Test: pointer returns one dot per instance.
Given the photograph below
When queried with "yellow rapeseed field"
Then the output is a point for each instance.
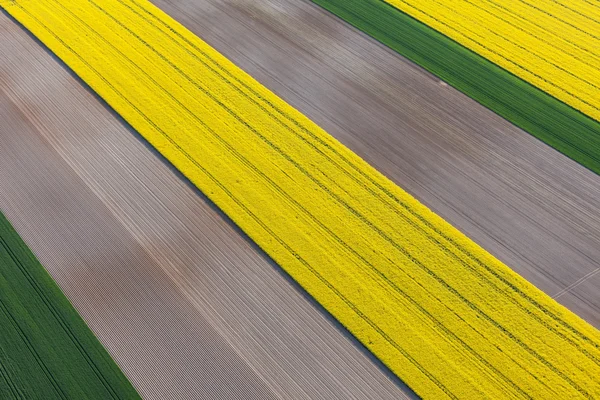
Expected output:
(552, 44)
(447, 317)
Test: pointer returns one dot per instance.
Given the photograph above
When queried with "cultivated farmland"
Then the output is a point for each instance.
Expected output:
(164, 232)
(47, 350)
(183, 302)
(443, 314)
(550, 43)
(548, 118)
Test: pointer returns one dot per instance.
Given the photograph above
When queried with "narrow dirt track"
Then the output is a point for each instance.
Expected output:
(165, 280)
(187, 306)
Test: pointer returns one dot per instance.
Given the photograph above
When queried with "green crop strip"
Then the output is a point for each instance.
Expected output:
(46, 349)
(543, 116)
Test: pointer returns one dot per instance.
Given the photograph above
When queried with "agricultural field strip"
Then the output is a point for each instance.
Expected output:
(551, 44)
(443, 314)
(46, 350)
(530, 108)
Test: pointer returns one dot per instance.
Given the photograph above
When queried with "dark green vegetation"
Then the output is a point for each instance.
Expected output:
(550, 120)
(46, 349)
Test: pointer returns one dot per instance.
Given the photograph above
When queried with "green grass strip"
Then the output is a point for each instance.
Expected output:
(550, 120)
(46, 349)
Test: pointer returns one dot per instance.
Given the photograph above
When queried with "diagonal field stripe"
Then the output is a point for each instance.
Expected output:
(443, 314)
(551, 45)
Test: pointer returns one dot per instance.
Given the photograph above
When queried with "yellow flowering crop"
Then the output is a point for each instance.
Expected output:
(552, 44)
(447, 317)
